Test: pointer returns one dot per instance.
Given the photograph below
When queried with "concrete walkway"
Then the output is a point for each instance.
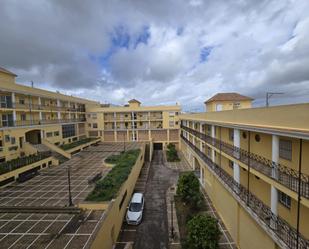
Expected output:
(153, 232)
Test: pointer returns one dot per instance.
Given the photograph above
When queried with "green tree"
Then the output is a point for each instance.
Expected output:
(203, 233)
(188, 189)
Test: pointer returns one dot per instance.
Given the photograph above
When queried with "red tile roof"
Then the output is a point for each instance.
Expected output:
(134, 101)
(3, 70)
(228, 97)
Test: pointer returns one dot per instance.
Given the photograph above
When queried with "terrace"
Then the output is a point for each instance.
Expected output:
(35, 214)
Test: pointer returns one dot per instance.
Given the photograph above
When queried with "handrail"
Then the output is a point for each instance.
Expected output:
(277, 224)
(278, 172)
(18, 123)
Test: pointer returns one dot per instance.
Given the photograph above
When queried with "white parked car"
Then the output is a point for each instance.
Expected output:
(135, 210)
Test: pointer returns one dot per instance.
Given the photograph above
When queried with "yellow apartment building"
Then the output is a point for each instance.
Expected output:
(227, 101)
(28, 116)
(135, 122)
(254, 165)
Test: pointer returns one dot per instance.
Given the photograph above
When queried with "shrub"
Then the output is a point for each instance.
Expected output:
(107, 188)
(203, 233)
(188, 189)
(171, 153)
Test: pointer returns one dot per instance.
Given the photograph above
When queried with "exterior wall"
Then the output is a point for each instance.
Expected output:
(113, 216)
(260, 184)
(228, 105)
(140, 122)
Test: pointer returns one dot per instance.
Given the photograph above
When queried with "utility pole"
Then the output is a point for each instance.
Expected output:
(269, 95)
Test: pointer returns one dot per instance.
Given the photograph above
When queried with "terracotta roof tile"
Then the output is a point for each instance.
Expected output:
(3, 70)
(228, 97)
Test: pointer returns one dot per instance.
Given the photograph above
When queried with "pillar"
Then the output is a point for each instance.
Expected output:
(275, 159)
(58, 112)
(236, 170)
(14, 111)
(213, 129)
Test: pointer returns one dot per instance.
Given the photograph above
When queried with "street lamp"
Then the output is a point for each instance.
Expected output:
(124, 142)
(69, 181)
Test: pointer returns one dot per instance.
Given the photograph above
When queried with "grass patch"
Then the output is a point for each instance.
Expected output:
(171, 153)
(77, 143)
(107, 188)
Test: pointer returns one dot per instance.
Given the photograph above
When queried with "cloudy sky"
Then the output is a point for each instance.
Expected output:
(160, 52)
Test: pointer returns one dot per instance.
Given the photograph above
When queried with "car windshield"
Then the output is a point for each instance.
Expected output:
(135, 207)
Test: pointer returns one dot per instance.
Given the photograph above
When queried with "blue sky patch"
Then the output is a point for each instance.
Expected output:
(205, 52)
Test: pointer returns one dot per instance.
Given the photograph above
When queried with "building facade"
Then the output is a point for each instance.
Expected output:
(28, 116)
(253, 163)
(227, 101)
(134, 122)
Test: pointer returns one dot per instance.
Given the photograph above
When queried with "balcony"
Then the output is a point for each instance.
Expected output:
(278, 172)
(285, 232)
(28, 106)
(19, 123)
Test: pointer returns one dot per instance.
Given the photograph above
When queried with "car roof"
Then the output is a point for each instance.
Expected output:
(137, 197)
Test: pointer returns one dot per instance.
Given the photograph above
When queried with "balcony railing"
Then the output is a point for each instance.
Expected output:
(278, 225)
(19, 123)
(278, 172)
(14, 164)
(29, 106)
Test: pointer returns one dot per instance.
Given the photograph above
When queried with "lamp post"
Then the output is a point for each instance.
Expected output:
(69, 182)
(124, 142)
(172, 221)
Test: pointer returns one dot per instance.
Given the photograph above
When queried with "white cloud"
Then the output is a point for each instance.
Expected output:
(256, 46)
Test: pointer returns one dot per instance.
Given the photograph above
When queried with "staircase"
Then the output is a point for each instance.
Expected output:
(56, 155)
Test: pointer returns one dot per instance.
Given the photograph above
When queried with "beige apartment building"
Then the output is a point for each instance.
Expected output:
(135, 122)
(253, 163)
(29, 116)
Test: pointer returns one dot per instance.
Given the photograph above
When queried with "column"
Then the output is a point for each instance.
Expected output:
(39, 105)
(58, 112)
(213, 129)
(201, 131)
(236, 170)
(14, 110)
(275, 159)
(193, 140)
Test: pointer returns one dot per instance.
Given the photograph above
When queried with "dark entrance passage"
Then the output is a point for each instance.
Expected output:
(33, 137)
(157, 146)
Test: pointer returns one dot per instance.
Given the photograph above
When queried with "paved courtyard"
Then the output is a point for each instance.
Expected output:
(50, 187)
(36, 228)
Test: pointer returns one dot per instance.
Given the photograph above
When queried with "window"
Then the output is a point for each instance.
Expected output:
(171, 114)
(23, 116)
(219, 107)
(285, 149)
(284, 199)
(236, 105)
(176, 123)
(231, 134)
(1, 143)
(13, 140)
(89, 125)
(176, 113)
(94, 125)
(56, 133)
(68, 130)
(171, 123)
(7, 120)
(94, 116)
(49, 134)
(257, 138)
(21, 101)
(231, 164)
(244, 135)
(7, 138)
(6, 102)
